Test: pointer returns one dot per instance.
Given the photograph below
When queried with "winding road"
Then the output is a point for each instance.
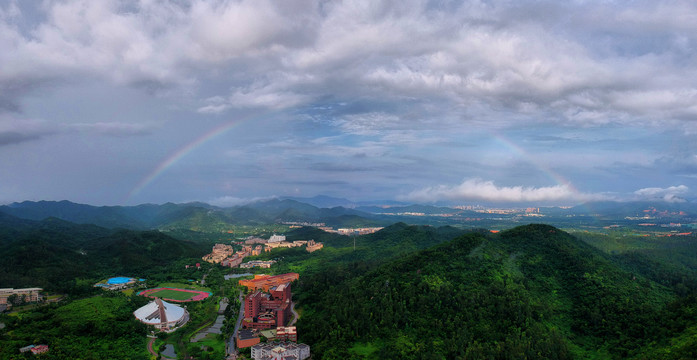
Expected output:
(296, 316)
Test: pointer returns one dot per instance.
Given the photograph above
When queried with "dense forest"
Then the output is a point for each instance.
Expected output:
(60, 256)
(531, 292)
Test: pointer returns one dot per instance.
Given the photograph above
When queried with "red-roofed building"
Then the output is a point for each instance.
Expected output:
(39, 349)
(265, 282)
(287, 333)
(269, 308)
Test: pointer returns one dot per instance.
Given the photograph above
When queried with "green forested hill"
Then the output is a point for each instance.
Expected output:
(530, 292)
(99, 327)
(61, 256)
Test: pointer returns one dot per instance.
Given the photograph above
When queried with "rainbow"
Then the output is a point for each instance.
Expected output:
(515, 148)
(553, 175)
(177, 155)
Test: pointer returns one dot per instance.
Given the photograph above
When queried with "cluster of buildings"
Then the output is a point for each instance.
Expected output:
(357, 231)
(298, 224)
(162, 315)
(21, 296)
(267, 306)
(225, 255)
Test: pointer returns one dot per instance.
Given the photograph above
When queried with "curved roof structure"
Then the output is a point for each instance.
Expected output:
(162, 315)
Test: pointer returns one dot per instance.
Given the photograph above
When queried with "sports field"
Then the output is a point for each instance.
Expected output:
(176, 295)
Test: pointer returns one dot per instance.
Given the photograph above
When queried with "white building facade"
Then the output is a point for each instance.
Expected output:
(280, 351)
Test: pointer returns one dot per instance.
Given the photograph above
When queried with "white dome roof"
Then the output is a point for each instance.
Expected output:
(150, 313)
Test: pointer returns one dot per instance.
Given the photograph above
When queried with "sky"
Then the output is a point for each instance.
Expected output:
(464, 102)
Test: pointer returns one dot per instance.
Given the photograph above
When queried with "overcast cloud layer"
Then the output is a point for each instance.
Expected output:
(125, 102)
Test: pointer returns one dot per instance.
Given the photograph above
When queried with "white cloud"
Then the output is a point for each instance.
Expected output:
(480, 190)
(669, 194)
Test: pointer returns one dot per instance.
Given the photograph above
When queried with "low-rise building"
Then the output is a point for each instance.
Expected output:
(232, 261)
(313, 246)
(287, 333)
(23, 295)
(39, 349)
(246, 338)
(282, 244)
(258, 263)
(254, 240)
(284, 350)
(265, 282)
(277, 238)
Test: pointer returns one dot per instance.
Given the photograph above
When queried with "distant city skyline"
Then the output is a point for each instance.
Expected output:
(514, 103)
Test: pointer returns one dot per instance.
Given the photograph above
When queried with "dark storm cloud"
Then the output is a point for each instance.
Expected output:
(11, 137)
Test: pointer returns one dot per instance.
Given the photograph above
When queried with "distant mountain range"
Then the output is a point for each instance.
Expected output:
(189, 215)
(334, 212)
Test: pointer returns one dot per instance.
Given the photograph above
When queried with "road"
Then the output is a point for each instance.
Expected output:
(296, 316)
(231, 343)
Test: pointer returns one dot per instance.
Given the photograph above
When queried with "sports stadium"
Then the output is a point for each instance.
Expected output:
(162, 315)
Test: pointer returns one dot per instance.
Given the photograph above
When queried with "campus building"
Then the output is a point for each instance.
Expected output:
(277, 238)
(313, 246)
(267, 310)
(289, 333)
(265, 264)
(232, 261)
(162, 315)
(265, 282)
(246, 338)
(219, 253)
(284, 351)
(24, 295)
